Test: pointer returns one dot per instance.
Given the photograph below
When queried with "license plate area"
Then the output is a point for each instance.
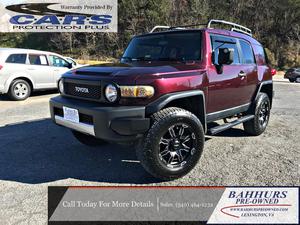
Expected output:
(71, 115)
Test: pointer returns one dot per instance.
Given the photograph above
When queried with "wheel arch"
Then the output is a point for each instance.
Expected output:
(193, 101)
(26, 78)
(265, 87)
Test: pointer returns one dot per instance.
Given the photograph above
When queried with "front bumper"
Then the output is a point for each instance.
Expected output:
(114, 124)
(2, 89)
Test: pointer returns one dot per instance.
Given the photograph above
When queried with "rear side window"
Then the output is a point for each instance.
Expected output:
(261, 55)
(16, 58)
(225, 42)
(267, 61)
(40, 60)
(248, 57)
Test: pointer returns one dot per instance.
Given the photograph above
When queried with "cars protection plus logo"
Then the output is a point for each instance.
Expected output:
(58, 16)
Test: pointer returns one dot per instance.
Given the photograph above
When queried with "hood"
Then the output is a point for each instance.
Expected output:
(132, 70)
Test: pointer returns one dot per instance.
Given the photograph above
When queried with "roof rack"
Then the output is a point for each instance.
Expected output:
(166, 27)
(234, 27)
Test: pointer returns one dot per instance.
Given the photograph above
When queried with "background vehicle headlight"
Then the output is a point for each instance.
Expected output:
(111, 93)
(137, 91)
(61, 86)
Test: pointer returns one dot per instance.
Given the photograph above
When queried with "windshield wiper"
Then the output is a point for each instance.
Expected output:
(142, 59)
(172, 59)
(126, 58)
(137, 58)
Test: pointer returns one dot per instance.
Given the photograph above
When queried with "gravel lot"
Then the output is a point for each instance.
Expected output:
(35, 153)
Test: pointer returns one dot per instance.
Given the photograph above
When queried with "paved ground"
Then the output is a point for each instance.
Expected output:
(34, 153)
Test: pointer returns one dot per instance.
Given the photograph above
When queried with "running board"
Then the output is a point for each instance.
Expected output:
(226, 126)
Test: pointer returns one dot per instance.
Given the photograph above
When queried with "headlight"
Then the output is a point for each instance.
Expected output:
(61, 86)
(111, 93)
(137, 91)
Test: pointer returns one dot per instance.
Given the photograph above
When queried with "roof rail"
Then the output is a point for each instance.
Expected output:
(166, 27)
(234, 27)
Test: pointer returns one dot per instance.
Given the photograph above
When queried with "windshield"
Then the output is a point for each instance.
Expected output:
(174, 46)
(71, 61)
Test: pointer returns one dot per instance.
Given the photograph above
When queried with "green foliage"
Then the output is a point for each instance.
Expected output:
(275, 23)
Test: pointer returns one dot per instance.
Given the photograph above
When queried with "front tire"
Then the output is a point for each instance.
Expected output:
(87, 139)
(262, 111)
(173, 145)
(19, 90)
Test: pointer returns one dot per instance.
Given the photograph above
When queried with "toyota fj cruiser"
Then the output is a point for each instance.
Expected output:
(165, 93)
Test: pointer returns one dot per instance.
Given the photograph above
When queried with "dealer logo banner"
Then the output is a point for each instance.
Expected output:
(216, 205)
(59, 16)
(271, 205)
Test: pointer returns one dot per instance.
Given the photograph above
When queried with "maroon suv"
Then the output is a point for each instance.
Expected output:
(166, 90)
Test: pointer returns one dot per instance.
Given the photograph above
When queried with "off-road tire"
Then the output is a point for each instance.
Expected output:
(87, 139)
(23, 84)
(148, 148)
(254, 127)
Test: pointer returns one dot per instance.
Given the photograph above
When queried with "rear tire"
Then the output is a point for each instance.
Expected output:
(19, 90)
(173, 145)
(261, 112)
(87, 139)
(291, 80)
(297, 80)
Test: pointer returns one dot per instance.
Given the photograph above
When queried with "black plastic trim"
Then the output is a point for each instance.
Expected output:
(264, 83)
(211, 117)
(161, 102)
(261, 85)
(130, 126)
(113, 124)
(226, 126)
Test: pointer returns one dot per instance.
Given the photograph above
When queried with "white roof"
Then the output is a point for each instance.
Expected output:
(22, 50)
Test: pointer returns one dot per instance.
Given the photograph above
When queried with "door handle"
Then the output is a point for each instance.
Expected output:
(31, 69)
(242, 74)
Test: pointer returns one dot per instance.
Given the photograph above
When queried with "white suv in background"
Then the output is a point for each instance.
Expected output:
(23, 71)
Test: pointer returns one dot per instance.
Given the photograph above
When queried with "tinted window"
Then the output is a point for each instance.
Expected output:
(224, 42)
(17, 58)
(165, 47)
(266, 56)
(58, 62)
(248, 57)
(38, 60)
(261, 56)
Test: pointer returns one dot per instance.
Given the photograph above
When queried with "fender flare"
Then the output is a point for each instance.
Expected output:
(261, 85)
(164, 100)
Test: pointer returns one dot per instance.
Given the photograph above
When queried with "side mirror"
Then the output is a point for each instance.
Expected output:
(70, 66)
(225, 56)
